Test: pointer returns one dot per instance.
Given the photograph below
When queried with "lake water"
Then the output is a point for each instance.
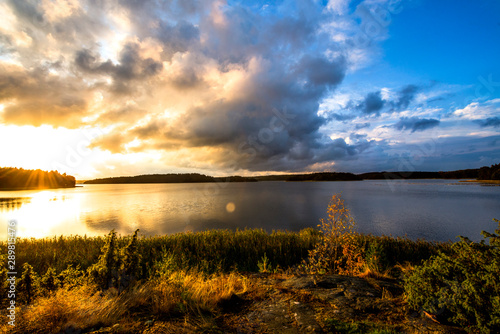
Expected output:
(429, 209)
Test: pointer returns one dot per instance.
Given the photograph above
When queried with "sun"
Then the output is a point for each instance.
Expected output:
(47, 148)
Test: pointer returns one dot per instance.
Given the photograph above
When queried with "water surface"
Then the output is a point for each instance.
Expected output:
(429, 209)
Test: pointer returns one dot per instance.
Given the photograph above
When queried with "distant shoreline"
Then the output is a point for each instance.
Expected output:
(480, 174)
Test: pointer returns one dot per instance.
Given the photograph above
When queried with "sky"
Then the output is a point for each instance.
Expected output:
(97, 88)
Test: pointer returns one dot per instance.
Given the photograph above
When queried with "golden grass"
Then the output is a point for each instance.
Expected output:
(180, 293)
(371, 273)
(483, 181)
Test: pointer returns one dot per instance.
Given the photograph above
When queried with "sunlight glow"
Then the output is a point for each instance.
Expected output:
(230, 207)
(48, 213)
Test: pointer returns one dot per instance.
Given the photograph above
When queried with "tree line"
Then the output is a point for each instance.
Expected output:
(19, 178)
(169, 178)
(489, 173)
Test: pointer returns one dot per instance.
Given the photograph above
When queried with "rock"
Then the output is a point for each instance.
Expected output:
(301, 304)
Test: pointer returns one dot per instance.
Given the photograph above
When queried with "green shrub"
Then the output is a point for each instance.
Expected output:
(104, 273)
(376, 257)
(71, 277)
(49, 282)
(130, 269)
(461, 286)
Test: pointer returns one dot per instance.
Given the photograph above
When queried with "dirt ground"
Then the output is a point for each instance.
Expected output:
(303, 304)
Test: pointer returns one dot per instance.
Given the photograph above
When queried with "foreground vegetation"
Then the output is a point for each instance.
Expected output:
(82, 283)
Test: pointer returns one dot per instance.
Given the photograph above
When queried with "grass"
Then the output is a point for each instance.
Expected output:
(215, 251)
(210, 251)
(179, 294)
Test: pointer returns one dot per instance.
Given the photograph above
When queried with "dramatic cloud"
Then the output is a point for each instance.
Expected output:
(415, 124)
(405, 97)
(135, 67)
(234, 87)
(373, 103)
(379, 101)
(492, 121)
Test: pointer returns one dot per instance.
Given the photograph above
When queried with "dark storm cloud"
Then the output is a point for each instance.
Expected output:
(415, 124)
(292, 84)
(292, 33)
(372, 104)
(131, 66)
(341, 117)
(319, 71)
(405, 97)
(491, 121)
(178, 37)
(27, 10)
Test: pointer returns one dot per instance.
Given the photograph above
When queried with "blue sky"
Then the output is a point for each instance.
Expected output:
(113, 88)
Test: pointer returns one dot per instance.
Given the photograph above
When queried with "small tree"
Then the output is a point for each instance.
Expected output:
(130, 269)
(71, 277)
(105, 272)
(48, 283)
(4, 285)
(337, 252)
(28, 283)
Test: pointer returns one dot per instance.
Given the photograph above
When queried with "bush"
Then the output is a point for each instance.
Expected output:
(49, 282)
(460, 286)
(105, 272)
(130, 269)
(376, 257)
(28, 285)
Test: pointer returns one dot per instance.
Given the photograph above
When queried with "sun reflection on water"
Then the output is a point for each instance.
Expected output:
(46, 213)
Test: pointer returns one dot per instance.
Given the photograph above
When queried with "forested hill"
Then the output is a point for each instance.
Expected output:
(458, 174)
(18, 178)
(168, 178)
(324, 177)
(484, 173)
(489, 173)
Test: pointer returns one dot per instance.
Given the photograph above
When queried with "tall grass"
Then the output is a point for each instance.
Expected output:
(179, 294)
(209, 251)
